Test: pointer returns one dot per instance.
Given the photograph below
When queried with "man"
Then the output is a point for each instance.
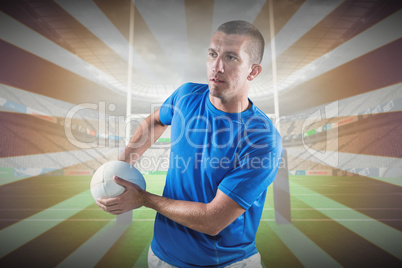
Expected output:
(225, 152)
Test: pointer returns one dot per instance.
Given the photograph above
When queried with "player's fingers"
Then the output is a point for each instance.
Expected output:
(107, 207)
(101, 201)
(109, 201)
(121, 181)
(116, 211)
(102, 206)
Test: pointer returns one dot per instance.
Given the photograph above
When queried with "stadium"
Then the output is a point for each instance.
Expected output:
(78, 77)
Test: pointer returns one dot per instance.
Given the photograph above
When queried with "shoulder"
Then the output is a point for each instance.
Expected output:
(261, 133)
(192, 88)
(259, 120)
(190, 93)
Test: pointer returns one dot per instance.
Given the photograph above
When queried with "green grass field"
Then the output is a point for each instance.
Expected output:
(336, 221)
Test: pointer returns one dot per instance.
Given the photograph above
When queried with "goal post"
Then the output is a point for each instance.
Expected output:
(127, 217)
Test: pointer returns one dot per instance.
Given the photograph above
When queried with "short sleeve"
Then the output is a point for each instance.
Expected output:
(166, 111)
(171, 104)
(254, 172)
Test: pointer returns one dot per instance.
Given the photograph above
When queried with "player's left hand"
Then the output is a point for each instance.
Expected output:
(130, 199)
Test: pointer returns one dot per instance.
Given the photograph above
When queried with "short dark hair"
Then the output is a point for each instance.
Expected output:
(241, 27)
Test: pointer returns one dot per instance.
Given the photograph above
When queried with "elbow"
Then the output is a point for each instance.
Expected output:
(213, 233)
(207, 227)
(213, 230)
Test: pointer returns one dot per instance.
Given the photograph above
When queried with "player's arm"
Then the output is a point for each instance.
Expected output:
(209, 218)
(144, 136)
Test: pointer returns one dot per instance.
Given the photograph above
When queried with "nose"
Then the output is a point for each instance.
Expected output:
(218, 66)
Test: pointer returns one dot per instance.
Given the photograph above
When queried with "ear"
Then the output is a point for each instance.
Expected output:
(256, 69)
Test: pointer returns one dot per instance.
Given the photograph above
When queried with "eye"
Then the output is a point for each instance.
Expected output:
(231, 58)
(212, 54)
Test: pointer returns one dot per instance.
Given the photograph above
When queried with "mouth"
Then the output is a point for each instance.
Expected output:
(215, 80)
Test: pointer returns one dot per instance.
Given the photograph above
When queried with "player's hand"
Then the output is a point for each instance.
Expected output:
(130, 199)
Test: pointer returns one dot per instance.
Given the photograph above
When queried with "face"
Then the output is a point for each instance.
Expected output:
(228, 66)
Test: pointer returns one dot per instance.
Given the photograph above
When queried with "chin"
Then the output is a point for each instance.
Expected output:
(217, 95)
(214, 91)
(217, 88)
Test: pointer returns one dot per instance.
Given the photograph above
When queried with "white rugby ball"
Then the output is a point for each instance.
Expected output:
(103, 185)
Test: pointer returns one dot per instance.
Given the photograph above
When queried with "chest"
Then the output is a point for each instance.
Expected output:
(209, 142)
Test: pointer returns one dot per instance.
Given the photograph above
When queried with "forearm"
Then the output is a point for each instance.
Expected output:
(194, 215)
(146, 134)
(209, 218)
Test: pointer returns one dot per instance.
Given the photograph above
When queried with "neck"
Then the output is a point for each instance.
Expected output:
(230, 106)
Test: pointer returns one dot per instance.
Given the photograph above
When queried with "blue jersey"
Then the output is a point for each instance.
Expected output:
(237, 153)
